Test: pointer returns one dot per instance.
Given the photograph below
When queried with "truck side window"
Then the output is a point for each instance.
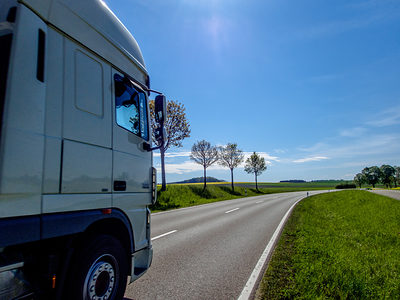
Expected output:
(130, 108)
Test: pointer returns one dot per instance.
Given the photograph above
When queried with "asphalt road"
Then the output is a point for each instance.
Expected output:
(390, 193)
(209, 251)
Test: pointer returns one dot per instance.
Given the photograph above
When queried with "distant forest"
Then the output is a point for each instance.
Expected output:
(293, 181)
(199, 179)
(302, 181)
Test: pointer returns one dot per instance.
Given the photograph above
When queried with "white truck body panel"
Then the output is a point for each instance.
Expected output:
(21, 168)
(84, 173)
(94, 25)
(87, 97)
(53, 112)
(72, 202)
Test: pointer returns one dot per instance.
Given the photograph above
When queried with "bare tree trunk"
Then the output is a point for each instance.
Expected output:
(233, 188)
(256, 182)
(205, 179)
(164, 184)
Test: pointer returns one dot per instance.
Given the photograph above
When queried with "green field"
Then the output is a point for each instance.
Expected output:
(329, 184)
(320, 184)
(184, 195)
(343, 245)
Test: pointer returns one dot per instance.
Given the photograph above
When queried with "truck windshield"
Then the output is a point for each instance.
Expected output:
(5, 49)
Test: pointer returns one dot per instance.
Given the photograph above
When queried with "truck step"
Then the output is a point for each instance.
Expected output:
(11, 267)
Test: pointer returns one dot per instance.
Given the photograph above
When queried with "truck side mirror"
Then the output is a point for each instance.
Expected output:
(160, 111)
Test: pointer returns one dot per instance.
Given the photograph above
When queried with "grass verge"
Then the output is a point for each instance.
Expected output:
(178, 196)
(337, 245)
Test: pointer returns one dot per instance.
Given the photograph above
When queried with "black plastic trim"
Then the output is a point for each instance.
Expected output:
(12, 14)
(25, 229)
(19, 230)
(60, 224)
(5, 51)
(40, 57)
(119, 185)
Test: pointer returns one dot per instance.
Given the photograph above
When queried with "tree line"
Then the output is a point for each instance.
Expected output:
(230, 156)
(177, 128)
(386, 174)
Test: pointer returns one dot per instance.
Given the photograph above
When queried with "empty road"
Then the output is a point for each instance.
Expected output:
(390, 193)
(209, 251)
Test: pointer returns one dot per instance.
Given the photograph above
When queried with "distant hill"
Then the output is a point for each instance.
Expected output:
(293, 181)
(200, 179)
(330, 180)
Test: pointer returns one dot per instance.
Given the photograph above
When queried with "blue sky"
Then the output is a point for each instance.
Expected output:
(313, 86)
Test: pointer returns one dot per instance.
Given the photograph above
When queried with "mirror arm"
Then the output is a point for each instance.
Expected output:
(146, 146)
(154, 91)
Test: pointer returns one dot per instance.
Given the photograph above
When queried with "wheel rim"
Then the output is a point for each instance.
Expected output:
(101, 279)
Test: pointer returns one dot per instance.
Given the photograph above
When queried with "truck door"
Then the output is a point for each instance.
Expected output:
(86, 154)
(131, 163)
(22, 128)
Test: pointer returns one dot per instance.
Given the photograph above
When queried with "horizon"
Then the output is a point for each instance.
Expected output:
(259, 182)
(311, 86)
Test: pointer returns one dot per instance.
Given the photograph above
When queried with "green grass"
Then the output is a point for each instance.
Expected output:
(184, 195)
(343, 245)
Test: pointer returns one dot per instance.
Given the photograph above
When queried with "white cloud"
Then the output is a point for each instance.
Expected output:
(345, 25)
(387, 118)
(280, 151)
(320, 79)
(308, 159)
(187, 167)
(378, 144)
(314, 148)
(174, 154)
(348, 176)
(353, 132)
(266, 156)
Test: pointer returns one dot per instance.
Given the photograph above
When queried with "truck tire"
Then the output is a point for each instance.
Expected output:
(99, 270)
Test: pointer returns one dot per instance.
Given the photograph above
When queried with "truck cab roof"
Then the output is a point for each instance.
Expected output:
(94, 25)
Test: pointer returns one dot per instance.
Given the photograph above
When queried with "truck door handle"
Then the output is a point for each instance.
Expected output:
(119, 185)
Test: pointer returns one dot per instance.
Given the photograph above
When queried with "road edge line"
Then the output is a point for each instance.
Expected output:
(248, 288)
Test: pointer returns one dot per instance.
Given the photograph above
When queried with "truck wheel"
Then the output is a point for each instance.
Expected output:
(99, 270)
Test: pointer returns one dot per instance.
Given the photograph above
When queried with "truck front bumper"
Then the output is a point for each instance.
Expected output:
(141, 261)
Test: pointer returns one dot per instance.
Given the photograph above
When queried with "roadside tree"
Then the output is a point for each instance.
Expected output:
(177, 128)
(372, 175)
(230, 156)
(387, 175)
(396, 176)
(255, 164)
(359, 179)
(204, 154)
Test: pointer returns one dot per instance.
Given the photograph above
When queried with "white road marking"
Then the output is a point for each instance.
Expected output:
(162, 235)
(229, 211)
(248, 288)
(259, 202)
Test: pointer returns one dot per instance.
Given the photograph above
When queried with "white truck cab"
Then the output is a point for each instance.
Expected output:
(76, 175)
